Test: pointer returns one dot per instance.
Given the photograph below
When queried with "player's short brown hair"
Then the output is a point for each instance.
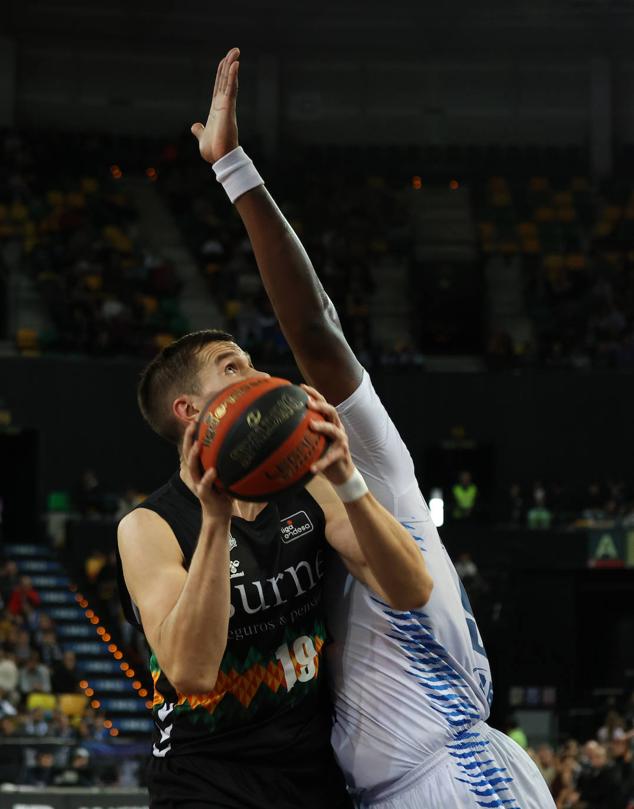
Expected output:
(174, 370)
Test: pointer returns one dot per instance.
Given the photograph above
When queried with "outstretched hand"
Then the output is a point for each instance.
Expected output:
(336, 463)
(220, 134)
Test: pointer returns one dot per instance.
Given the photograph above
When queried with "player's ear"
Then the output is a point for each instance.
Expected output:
(184, 409)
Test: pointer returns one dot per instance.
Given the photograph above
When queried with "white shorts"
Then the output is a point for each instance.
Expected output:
(484, 769)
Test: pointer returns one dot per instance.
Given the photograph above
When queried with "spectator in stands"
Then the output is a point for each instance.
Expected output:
(90, 495)
(514, 730)
(50, 649)
(598, 782)
(36, 723)
(65, 677)
(35, 676)
(9, 674)
(21, 646)
(514, 508)
(465, 495)
(9, 726)
(7, 708)
(79, 773)
(613, 721)
(44, 771)
(44, 624)
(95, 561)
(623, 761)
(9, 579)
(539, 516)
(61, 727)
(546, 762)
(563, 787)
(23, 592)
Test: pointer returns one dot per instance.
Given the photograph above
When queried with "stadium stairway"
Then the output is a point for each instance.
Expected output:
(390, 307)
(506, 308)
(162, 236)
(107, 679)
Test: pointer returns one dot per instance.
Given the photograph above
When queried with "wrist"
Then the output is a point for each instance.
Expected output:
(215, 524)
(353, 489)
(236, 173)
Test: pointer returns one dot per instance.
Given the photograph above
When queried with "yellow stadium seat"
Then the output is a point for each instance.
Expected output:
(603, 228)
(527, 230)
(538, 184)
(575, 261)
(162, 340)
(531, 247)
(509, 248)
(501, 199)
(553, 261)
(150, 304)
(93, 282)
(612, 213)
(566, 214)
(563, 199)
(497, 184)
(55, 199)
(76, 199)
(378, 245)
(27, 340)
(72, 704)
(232, 307)
(37, 699)
(89, 185)
(545, 214)
(579, 184)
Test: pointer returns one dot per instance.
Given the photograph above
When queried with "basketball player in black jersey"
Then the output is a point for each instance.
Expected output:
(229, 596)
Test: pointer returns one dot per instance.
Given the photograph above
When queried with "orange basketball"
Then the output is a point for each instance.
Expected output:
(256, 434)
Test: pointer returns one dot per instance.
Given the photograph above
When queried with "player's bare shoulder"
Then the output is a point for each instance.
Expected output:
(143, 531)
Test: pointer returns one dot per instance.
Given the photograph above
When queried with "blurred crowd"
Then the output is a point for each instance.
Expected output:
(598, 774)
(67, 227)
(40, 695)
(543, 505)
(67, 221)
(348, 222)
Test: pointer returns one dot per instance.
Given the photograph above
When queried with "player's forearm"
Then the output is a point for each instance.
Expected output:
(195, 631)
(298, 298)
(393, 559)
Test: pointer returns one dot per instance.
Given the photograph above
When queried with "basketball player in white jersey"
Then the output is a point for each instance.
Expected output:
(412, 689)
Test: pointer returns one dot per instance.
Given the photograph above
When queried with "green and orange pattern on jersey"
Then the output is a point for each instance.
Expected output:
(253, 687)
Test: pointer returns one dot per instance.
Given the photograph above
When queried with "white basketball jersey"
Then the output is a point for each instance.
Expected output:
(405, 683)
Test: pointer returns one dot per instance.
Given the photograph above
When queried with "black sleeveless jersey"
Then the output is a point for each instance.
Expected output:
(270, 697)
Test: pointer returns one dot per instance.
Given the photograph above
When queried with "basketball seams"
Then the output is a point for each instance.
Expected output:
(257, 479)
(253, 390)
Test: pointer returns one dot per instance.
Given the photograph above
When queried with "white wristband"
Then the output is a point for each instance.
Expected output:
(236, 173)
(353, 489)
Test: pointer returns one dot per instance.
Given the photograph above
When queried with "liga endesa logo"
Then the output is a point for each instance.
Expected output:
(295, 526)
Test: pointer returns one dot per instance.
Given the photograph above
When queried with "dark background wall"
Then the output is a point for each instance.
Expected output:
(530, 425)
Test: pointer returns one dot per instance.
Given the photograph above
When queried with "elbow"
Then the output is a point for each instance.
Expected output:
(188, 685)
(415, 598)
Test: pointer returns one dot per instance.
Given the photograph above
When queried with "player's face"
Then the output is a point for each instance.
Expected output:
(223, 363)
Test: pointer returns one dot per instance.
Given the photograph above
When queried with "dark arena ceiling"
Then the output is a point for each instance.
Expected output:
(449, 27)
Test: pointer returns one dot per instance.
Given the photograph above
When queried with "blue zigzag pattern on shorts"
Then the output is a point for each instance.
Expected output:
(447, 692)
(485, 781)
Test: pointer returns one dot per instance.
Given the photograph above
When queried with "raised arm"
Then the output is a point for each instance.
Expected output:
(185, 613)
(305, 313)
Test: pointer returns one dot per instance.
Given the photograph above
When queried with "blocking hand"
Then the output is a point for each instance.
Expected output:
(220, 134)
